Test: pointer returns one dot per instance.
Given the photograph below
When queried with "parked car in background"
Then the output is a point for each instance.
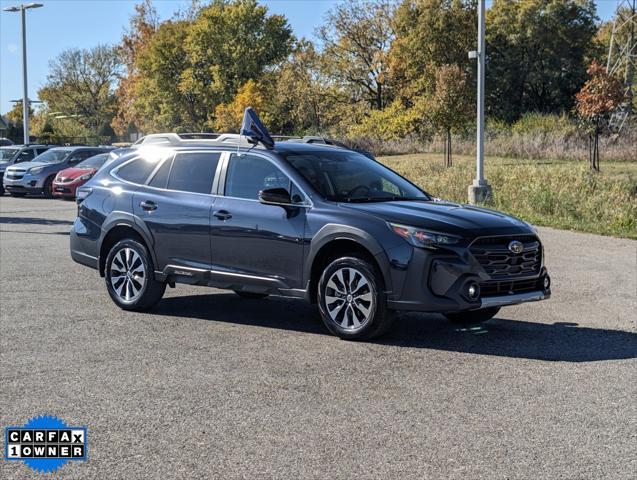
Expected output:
(10, 155)
(36, 177)
(5, 142)
(66, 181)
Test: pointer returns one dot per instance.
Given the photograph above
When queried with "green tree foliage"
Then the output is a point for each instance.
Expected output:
(191, 65)
(431, 33)
(82, 83)
(356, 38)
(536, 54)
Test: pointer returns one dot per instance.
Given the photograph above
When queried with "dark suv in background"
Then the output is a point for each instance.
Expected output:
(304, 220)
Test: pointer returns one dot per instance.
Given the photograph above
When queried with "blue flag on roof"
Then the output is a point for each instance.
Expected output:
(254, 129)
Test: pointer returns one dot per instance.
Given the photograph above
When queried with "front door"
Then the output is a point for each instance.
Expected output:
(250, 238)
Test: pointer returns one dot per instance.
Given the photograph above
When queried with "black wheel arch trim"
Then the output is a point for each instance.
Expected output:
(124, 219)
(334, 232)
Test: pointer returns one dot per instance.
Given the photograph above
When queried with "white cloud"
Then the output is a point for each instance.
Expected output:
(12, 47)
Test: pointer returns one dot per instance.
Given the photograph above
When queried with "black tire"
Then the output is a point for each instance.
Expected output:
(251, 295)
(1, 188)
(145, 296)
(378, 319)
(17, 194)
(47, 188)
(472, 316)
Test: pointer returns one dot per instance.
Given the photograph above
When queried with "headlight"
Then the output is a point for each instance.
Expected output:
(86, 176)
(35, 170)
(423, 238)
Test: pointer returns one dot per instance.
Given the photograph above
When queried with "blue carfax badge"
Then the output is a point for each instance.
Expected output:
(45, 443)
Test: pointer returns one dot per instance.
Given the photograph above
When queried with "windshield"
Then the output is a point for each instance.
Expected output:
(53, 156)
(351, 177)
(7, 154)
(94, 162)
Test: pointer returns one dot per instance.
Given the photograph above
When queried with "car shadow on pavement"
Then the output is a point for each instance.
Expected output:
(560, 341)
(33, 221)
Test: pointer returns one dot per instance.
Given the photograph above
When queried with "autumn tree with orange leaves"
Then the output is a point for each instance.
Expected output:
(601, 94)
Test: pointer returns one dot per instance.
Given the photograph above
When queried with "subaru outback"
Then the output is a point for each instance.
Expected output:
(318, 222)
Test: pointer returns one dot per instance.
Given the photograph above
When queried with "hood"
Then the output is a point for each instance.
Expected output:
(27, 165)
(445, 217)
(75, 172)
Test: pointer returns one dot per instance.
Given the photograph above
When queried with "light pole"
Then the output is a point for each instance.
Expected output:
(480, 191)
(25, 95)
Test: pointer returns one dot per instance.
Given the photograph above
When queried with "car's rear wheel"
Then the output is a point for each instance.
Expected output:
(352, 301)
(129, 275)
(1, 187)
(251, 295)
(472, 316)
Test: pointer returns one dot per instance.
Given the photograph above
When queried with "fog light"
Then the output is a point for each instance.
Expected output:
(473, 291)
(546, 283)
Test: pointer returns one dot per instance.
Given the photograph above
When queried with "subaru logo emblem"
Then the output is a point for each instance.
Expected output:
(516, 247)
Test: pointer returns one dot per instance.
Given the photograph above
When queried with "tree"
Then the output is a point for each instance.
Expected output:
(599, 96)
(142, 27)
(356, 41)
(82, 83)
(446, 107)
(429, 34)
(229, 116)
(536, 55)
(229, 43)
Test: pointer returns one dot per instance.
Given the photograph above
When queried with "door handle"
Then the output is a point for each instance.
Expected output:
(148, 205)
(222, 215)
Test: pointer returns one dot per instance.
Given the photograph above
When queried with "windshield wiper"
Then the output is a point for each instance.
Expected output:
(385, 199)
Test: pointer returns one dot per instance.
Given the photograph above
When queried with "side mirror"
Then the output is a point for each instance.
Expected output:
(275, 196)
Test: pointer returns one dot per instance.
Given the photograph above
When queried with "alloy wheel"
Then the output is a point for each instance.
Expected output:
(127, 274)
(349, 298)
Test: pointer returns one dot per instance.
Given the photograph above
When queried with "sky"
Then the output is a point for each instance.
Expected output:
(64, 24)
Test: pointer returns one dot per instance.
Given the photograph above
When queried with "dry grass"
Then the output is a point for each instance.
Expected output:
(561, 194)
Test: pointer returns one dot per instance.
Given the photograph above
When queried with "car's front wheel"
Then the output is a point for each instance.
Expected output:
(129, 275)
(472, 316)
(352, 301)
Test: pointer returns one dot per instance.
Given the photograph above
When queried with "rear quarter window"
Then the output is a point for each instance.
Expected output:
(137, 171)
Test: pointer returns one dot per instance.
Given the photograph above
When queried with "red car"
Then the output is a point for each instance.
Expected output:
(66, 182)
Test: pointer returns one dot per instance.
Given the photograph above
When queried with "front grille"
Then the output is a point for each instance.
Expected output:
(499, 262)
(13, 176)
(488, 289)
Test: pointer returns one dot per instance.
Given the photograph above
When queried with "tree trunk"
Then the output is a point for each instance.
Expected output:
(448, 148)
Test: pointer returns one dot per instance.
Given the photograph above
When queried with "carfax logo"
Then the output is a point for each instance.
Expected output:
(45, 443)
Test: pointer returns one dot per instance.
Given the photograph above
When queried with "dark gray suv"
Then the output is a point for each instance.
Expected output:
(313, 221)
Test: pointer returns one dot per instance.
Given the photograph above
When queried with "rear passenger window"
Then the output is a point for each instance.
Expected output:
(137, 171)
(193, 172)
(160, 178)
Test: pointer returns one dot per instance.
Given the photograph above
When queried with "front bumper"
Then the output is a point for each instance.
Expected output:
(64, 189)
(439, 282)
(26, 184)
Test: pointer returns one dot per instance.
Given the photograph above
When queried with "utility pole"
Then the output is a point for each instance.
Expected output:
(25, 94)
(480, 191)
(622, 60)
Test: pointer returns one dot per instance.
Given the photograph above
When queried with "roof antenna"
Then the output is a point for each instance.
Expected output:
(254, 130)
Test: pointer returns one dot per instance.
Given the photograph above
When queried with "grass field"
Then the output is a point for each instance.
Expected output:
(560, 194)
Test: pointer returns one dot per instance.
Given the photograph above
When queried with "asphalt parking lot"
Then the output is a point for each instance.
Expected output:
(212, 386)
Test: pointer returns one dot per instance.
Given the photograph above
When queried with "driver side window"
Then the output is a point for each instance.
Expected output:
(25, 156)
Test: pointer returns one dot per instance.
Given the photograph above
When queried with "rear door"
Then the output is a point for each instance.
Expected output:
(175, 205)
